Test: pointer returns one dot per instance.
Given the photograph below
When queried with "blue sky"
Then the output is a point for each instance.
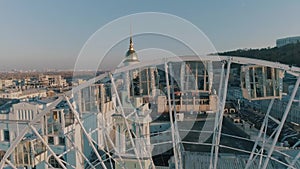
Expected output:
(38, 34)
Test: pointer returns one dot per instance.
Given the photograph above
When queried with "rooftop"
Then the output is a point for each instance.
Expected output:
(6, 104)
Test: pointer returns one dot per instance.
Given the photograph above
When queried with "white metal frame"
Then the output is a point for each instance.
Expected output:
(218, 122)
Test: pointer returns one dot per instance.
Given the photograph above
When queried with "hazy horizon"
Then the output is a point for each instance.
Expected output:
(44, 35)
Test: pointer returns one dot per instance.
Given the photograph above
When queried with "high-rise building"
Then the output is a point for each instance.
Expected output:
(289, 40)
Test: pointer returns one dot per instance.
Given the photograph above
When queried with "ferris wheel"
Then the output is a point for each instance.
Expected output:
(168, 110)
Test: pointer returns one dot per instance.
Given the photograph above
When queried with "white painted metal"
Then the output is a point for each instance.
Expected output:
(216, 124)
(217, 133)
(126, 122)
(274, 119)
(48, 147)
(285, 114)
(11, 164)
(177, 164)
(221, 110)
(234, 59)
(107, 138)
(295, 160)
(25, 130)
(178, 147)
(78, 151)
(264, 125)
(76, 115)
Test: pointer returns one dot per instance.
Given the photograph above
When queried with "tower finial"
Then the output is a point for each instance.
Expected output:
(131, 42)
(131, 56)
(130, 29)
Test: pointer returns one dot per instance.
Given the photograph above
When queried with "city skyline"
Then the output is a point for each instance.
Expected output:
(145, 85)
(50, 35)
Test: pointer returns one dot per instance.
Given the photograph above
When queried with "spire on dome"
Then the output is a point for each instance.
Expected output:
(131, 56)
(131, 43)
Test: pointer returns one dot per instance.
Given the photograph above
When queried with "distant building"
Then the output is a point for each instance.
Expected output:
(25, 110)
(6, 83)
(10, 94)
(25, 94)
(52, 81)
(20, 114)
(31, 152)
(288, 40)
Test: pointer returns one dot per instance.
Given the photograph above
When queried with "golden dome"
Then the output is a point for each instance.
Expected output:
(131, 55)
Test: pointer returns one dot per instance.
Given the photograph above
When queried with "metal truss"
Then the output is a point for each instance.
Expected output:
(265, 153)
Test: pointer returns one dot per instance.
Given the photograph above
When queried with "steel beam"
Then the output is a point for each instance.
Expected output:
(11, 164)
(77, 150)
(17, 140)
(285, 114)
(76, 115)
(48, 147)
(249, 162)
(176, 134)
(295, 160)
(221, 110)
(171, 118)
(126, 122)
(216, 124)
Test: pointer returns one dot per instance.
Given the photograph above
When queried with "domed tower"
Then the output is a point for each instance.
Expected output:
(130, 59)
(138, 124)
(131, 56)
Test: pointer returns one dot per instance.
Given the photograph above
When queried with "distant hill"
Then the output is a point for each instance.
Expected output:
(289, 54)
